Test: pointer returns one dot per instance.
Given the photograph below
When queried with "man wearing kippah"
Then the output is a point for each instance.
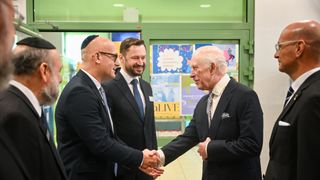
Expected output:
(87, 140)
(36, 78)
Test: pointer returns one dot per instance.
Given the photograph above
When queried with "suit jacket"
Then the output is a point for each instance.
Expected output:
(11, 165)
(86, 142)
(135, 132)
(236, 133)
(21, 126)
(294, 149)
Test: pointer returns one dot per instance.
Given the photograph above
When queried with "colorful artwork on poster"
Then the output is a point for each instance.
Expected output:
(166, 95)
(190, 95)
(171, 58)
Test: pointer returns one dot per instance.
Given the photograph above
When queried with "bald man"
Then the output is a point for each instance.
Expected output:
(87, 141)
(295, 139)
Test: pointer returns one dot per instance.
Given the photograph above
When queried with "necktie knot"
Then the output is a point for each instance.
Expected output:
(289, 94)
(134, 82)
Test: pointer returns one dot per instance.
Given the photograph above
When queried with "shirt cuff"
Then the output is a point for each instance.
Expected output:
(162, 157)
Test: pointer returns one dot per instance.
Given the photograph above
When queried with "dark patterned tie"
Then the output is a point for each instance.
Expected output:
(105, 103)
(209, 105)
(289, 94)
(137, 97)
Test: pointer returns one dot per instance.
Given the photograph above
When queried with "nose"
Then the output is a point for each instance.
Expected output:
(276, 55)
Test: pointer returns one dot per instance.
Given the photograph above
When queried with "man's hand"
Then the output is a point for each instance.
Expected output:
(152, 171)
(202, 149)
(150, 159)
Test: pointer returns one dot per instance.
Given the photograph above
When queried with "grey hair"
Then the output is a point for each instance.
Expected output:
(213, 54)
(29, 59)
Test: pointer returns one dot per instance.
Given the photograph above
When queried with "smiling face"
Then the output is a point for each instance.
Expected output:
(134, 60)
(200, 73)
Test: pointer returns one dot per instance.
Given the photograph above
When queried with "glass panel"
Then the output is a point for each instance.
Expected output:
(232, 11)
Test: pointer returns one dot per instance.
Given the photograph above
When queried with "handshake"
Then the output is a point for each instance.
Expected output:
(151, 163)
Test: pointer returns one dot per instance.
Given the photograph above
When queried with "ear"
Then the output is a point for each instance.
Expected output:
(122, 59)
(301, 45)
(44, 70)
(212, 68)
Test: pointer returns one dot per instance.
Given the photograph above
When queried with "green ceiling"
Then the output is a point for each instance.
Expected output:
(229, 11)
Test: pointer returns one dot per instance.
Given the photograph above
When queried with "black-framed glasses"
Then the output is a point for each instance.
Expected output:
(279, 45)
(112, 56)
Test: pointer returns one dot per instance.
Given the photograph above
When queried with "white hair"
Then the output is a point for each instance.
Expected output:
(212, 54)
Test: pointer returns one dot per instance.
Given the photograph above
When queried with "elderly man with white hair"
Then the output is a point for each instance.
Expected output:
(227, 123)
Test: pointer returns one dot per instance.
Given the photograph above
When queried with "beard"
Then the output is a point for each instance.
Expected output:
(5, 73)
(50, 93)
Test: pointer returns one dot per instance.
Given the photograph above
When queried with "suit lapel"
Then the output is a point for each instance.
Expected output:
(222, 104)
(292, 102)
(44, 132)
(124, 88)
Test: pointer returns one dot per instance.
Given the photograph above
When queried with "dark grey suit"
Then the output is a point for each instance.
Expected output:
(86, 143)
(20, 124)
(135, 132)
(294, 149)
(236, 133)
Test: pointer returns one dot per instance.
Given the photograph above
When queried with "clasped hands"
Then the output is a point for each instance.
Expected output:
(151, 162)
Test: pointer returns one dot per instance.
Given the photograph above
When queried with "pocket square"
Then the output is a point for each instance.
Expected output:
(151, 98)
(225, 115)
(282, 123)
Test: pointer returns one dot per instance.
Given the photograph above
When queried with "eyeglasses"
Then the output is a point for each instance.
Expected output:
(112, 56)
(279, 45)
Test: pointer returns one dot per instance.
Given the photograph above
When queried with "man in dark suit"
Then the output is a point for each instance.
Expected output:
(87, 139)
(136, 128)
(227, 123)
(11, 166)
(35, 83)
(295, 142)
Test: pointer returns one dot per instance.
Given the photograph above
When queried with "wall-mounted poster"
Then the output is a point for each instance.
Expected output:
(166, 95)
(190, 95)
(171, 58)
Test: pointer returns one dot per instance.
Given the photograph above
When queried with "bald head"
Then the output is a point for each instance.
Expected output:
(98, 56)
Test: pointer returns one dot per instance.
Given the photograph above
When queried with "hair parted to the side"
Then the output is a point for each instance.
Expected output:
(127, 43)
(213, 54)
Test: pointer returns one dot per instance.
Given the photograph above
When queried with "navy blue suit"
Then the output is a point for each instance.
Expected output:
(86, 143)
(236, 133)
(294, 148)
(136, 132)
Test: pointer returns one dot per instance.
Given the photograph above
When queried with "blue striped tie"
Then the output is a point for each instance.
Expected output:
(137, 97)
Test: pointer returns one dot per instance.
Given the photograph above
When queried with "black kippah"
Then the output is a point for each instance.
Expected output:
(36, 42)
(87, 41)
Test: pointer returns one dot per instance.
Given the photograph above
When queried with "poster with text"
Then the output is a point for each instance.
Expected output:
(171, 58)
(166, 95)
(190, 95)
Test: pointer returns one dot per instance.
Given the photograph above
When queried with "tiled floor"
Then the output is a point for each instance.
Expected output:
(186, 167)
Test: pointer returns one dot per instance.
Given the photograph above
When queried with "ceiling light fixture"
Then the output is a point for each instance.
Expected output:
(205, 5)
(118, 5)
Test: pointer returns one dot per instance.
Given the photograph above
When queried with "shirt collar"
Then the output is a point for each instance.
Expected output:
(221, 85)
(95, 81)
(127, 77)
(299, 81)
(29, 94)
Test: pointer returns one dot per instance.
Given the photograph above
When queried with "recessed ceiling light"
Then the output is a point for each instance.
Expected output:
(118, 5)
(205, 5)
